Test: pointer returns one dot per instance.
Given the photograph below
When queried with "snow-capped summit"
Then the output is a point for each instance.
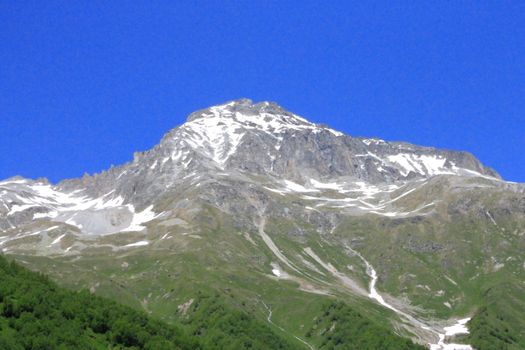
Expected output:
(274, 148)
(265, 138)
(243, 113)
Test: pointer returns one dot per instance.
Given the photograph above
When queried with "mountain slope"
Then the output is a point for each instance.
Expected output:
(36, 314)
(251, 200)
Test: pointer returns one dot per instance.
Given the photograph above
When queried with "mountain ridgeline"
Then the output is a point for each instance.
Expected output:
(250, 214)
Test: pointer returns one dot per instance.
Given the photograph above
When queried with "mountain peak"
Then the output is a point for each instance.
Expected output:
(264, 137)
(247, 107)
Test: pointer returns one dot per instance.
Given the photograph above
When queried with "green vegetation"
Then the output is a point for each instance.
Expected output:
(222, 327)
(341, 327)
(36, 314)
(498, 324)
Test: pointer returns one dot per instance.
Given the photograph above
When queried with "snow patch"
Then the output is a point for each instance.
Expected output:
(137, 244)
(295, 187)
(326, 186)
(140, 218)
(58, 239)
(459, 328)
(220, 130)
(19, 208)
(426, 165)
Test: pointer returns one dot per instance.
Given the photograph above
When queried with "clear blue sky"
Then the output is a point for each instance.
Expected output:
(83, 84)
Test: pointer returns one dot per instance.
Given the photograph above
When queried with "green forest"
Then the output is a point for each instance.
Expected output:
(344, 328)
(37, 314)
(220, 326)
(497, 325)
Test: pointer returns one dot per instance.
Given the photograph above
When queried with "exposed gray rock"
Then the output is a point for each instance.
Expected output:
(245, 158)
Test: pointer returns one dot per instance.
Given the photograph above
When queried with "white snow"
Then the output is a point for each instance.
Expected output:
(137, 244)
(217, 136)
(491, 218)
(48, 196)
(219, 132)
(310, 208)
(57, 239)
(6, 182)
(458, 328)
(140, 218)
(122, 174)
(433, 164)
(400, 196)
(426, 165)
(450, 280)
(72, 222)
(464, 171)
(374, 141)
(275, 190)
(374, 294)
(326, 186)
(402, 160)
(367, 190)
(430, 165)
(295, 187)
(273, 247)
(76, 208)
(358, 196)
(19, 208)
(44, 215)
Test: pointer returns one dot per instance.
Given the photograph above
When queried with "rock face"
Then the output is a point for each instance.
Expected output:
(261, 143)
(218, 151)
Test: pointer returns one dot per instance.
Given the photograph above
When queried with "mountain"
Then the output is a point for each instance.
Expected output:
(281, 215)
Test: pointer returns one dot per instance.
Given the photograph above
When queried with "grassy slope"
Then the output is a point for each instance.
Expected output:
(483, 260)
(211, 322)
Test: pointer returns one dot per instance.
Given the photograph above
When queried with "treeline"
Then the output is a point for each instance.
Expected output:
(343, 328)
(37, 314)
